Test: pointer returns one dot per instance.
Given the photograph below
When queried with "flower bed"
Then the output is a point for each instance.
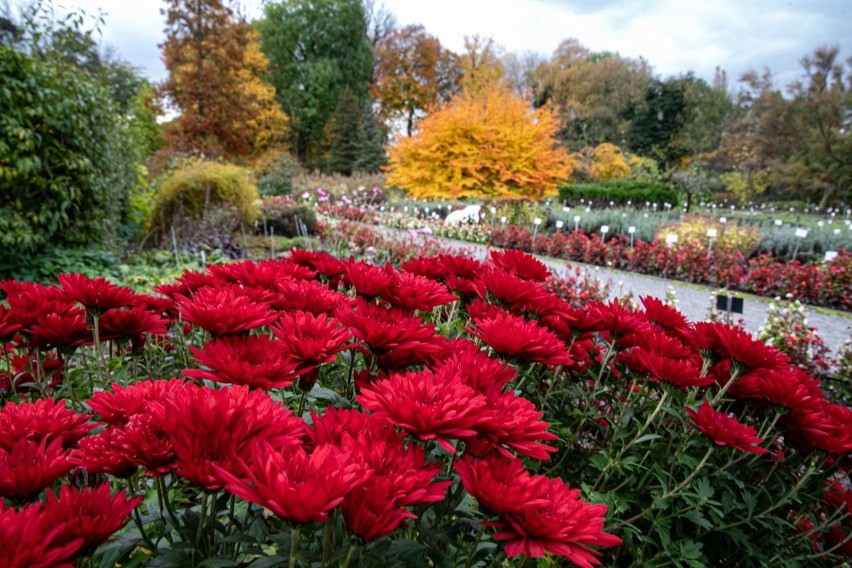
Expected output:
(315, 411)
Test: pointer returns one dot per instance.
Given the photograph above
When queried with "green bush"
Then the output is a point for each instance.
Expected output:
(619, 192)
(278, 178)
(66, 165)
(280, 219)
(190, 191)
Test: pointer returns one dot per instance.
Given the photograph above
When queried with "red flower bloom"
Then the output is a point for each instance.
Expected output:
(412, 292)
(368, 280)
(821, 425)
(791, 388)
(122, 403)
(293, 484)
(306, 296)
(618, 320)
(322, 262)
(476, 368)
(747, 352)
(25, 371)
(96, 295)
(255, 361)
(148, 445)
(89, 514)
(264, 274)
(371, 512)
(522, 295)
(520, 264)
(514, 422)
(398, 339)
(132, 324)
(513, 336)
(44, 419)
(65, 330)
(500, 484)
(28, 467)
(310, 341)
(8, 327)
(726, 430)
(105, 453)
(664, 316)
(224, 311)
(567, 526)
(28, 542)
(214, 427)
(432, 406)
(681, 373)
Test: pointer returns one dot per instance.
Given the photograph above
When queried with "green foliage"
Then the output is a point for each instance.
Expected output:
(190, 191)
(278, 178)
(66, 164)
(280, 219)
(638, 193)
(44, 266)
(316, 50)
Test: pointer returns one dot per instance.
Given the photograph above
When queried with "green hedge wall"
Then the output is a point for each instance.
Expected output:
(620, 192)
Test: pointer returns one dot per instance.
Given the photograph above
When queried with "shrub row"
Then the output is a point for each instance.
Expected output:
(621, 192)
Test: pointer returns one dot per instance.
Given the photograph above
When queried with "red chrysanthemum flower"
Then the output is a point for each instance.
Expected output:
(432, 406)
(726, 430)
(791, 388)
(748, 352)
(105, 453)
(293, 484)
(514, 337)
(567, 526)
(28, 467)
(311, 341)
(264, 274)
(427, 266)
(224, 311)
(211, 428)
(371, 512)
(44, 419)
(64, 330)
(397, 338)
(369, 281)
(821, 425)
(255, 361)
(477, 369)
(500, 484)
(521, 295)
(148, 445)
(515, 423)
(461, 266)
(682, 373)
(306, 296)
(8, 326)
(322, 262)
(412, 292)
(122, 403)
(29, 543)
(664, 316)
(467, 288)
(128, 325)
(28, 302)
(92, 515)
(619, 321)
(97, 295)
(25, 373)
(521, 264)
(187, 284)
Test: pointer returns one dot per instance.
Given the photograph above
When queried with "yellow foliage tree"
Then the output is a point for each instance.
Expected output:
(484, 144)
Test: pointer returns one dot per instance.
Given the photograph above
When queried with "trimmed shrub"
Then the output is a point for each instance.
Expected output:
(280, 218)
(278, 178)
(199, 186)
(619, 192)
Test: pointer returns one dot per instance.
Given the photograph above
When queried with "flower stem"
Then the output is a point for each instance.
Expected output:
(294, 547)
(470, 556)
(349, 555)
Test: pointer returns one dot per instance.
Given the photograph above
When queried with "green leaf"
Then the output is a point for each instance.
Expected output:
(698, 518)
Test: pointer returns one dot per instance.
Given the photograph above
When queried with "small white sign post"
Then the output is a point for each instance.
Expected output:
(801, 234)
(576, 222)
(604, 231)
(671, 239)
(712, 233)
(632, 230)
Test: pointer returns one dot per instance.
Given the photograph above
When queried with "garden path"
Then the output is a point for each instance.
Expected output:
(693, 300)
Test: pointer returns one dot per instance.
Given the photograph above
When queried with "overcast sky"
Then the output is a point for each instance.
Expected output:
(674, 36)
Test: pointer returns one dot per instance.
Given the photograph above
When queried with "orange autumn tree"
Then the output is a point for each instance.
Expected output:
(485, 144)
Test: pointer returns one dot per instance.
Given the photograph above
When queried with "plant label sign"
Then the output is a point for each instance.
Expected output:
(712, 233)
(729, 304)
(671, 239)
(801, 233)
(559, 224)
(631, 230)
(830, 255)
(604, 229)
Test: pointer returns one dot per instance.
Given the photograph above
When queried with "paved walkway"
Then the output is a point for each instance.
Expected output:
(693, 300)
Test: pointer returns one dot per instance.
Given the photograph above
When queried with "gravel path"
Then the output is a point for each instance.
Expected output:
(693, 300)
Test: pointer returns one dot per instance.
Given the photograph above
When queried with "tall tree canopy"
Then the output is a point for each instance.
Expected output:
(316, 49)
(410, 75)
(485, 143)
(591, 91)
(214, 80)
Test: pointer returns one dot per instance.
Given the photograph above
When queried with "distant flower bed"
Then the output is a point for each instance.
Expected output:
(316, 411)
